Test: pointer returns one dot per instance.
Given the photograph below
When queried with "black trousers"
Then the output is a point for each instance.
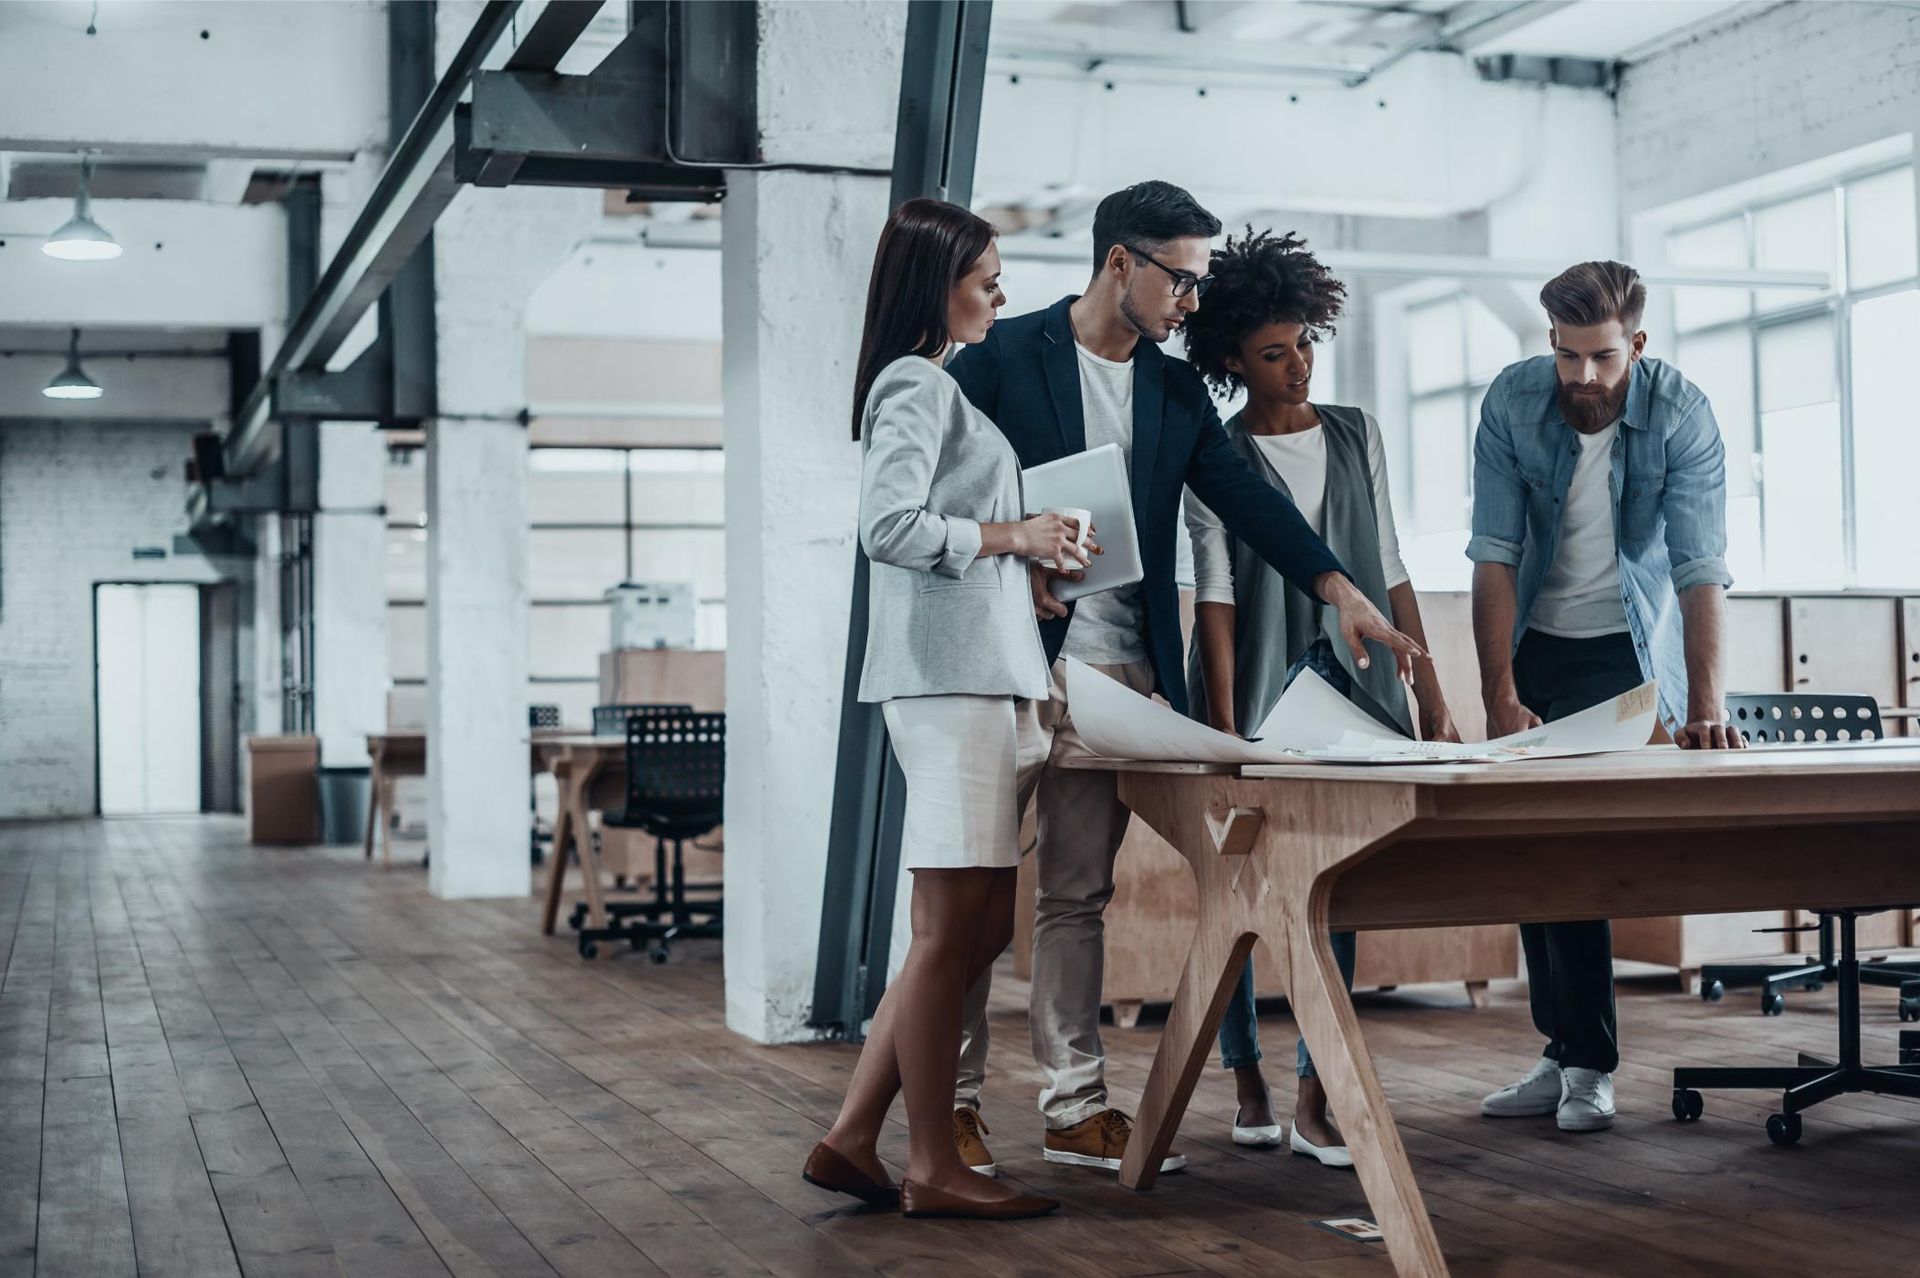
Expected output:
(1570, 965)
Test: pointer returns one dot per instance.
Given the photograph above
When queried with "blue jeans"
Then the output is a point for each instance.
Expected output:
(1240, 1027)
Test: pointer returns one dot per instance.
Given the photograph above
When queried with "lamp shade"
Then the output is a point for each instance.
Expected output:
(71, 382)
(80, 238)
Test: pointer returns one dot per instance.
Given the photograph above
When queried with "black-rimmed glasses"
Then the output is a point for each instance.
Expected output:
(1184, 282)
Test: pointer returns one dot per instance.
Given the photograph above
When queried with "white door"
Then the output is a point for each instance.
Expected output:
(147, 681)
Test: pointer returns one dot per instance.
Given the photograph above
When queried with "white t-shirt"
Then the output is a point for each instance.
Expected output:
(1580, 598)
(1301, 459)
(1108, 628)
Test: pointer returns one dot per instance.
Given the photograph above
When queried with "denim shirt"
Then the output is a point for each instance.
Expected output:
(1668, 482)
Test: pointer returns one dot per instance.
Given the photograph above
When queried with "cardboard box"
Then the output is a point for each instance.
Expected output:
(283, 803)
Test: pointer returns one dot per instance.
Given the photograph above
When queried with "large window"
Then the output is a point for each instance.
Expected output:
(1819, 427)
(596, 518)
(1455, 347)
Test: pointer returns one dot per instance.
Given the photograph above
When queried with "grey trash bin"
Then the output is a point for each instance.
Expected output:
(343, 803)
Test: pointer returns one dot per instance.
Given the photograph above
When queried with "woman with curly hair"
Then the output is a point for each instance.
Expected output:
(1270, 303)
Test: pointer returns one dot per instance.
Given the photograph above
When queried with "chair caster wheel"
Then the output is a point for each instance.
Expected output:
(1909, 1010)
(1688, 1104)
(1772, 1003)
(588, 949)
(577, 919)
(658, 955)
(1814, 987)
(1712, 991)
(1783, 1129)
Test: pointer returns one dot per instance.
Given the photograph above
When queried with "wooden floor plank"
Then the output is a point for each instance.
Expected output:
(26, 997)
(219, 1059)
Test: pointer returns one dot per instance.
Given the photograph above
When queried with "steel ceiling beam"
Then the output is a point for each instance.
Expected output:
(413, 190)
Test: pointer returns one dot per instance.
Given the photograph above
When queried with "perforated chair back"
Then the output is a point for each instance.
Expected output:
(611, 721)
(676, 773)
(543, 716)
(1785, 718)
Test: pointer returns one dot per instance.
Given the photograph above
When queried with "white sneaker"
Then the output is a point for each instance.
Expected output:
(1538, 1093)
(1588, 1103)
(1328, 1155)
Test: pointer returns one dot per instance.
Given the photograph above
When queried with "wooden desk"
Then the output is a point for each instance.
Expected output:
(1291, 852)
(591, 772)
(404, 754)
(394, 755)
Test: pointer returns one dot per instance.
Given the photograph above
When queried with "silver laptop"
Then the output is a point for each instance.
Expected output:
(1095, 480)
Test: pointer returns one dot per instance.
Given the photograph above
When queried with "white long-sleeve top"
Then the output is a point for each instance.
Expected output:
(1301, 459)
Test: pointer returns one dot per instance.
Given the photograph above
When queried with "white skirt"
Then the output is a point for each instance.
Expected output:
(961, 758)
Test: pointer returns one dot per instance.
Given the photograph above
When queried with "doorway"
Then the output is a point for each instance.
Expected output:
(147, 698)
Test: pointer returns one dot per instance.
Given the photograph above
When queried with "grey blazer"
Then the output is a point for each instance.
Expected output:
(941, 617)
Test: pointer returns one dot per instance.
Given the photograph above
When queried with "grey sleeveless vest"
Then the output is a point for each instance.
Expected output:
(1275, 622)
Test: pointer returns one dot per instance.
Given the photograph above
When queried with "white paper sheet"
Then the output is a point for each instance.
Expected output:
(1314, 723)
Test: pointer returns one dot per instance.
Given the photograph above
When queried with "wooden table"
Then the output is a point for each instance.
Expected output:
(1292, 852)
(404, 754)
(591, 772)
(394, 755)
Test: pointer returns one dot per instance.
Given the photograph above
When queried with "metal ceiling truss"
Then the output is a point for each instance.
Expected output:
(679, 84)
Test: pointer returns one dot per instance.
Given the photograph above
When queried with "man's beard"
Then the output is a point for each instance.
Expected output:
(1131, 313)
(1591, 413)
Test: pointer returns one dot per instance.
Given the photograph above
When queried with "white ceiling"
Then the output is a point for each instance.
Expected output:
(1604, 30)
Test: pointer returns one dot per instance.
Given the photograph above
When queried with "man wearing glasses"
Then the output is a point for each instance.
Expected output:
(1076, 376)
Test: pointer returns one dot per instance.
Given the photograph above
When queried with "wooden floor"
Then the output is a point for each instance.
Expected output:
(216, 1059)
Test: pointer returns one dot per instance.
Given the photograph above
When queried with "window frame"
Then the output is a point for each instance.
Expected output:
(1836, 304)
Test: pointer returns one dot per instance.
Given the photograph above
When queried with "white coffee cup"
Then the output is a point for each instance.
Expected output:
(1084, 519)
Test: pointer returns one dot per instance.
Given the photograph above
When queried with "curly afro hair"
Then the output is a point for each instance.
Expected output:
(1259, 279)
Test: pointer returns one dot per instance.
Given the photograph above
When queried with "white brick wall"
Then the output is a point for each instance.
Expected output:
(75, 499)
(1792, 83)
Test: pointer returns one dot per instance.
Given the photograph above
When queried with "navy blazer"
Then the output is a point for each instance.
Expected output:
(1026, 377)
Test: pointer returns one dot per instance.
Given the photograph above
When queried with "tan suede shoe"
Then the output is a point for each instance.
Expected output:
(1100, 1141)
(968, 1128)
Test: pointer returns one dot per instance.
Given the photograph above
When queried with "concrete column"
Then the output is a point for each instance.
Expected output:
(796, 252)
(492, 247)
(349, 593)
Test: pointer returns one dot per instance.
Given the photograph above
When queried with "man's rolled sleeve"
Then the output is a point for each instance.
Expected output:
(1695, 502)
(1493, 550)
(1499, 494)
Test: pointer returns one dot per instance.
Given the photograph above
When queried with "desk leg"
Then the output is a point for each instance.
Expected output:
(386, 823)
(557, 871)
(583, 841)
(1214, 962)
(373, 808)
(1340, 1057)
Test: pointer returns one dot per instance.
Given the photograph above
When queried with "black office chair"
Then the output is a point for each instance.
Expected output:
(539, 717)
(676, 787)
(1765, 719)
(611, 721)
(1802, 718)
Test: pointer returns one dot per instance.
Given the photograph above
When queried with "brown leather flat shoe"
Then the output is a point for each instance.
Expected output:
(827, 1169)
(925, 1200)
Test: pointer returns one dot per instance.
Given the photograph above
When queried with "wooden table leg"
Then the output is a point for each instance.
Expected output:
(1214, 962)
(583, 842)
(1345, 1067)
(557, 871)
(373, 805)
(386, 823)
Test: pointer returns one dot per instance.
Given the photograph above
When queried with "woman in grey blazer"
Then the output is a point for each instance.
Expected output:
(952, 644)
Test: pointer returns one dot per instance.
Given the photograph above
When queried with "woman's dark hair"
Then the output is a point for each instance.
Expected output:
(1259, 279)
(1146, 215)
(925, 249)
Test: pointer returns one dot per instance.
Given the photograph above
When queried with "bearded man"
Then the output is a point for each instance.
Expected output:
(1599, 548)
